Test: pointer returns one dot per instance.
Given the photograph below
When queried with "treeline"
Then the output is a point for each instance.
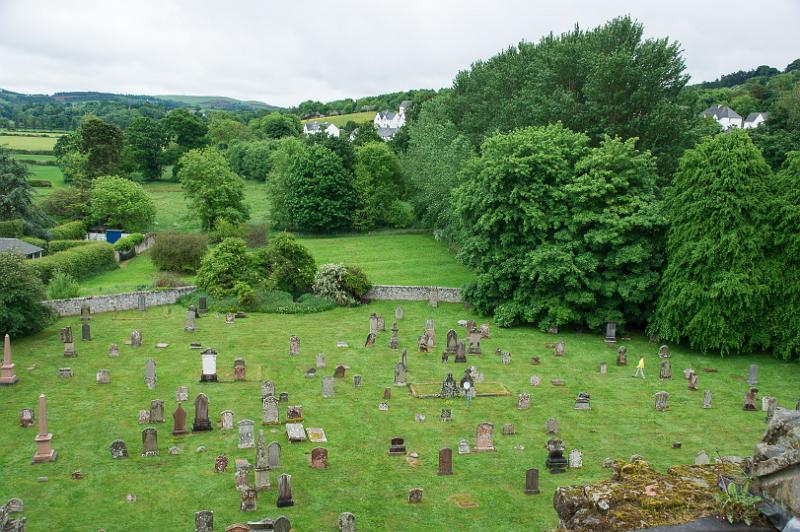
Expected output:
(741, 76)
(382, 102)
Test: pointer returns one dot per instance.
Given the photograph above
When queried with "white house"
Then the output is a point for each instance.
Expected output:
(388, 122)
(725, 116)
(754, 120)
(310, 128)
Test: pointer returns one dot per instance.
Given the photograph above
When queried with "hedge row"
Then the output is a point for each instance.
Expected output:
(78, 262)
(61, 245)
(69, 231)
(40, 242)
(11, 228)
(31, 152)
(40, 183)
(128, 242)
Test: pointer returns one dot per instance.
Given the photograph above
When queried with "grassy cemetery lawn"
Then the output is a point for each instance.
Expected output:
(393, 258)
(484, 493)
(135, 274)
(20, 142)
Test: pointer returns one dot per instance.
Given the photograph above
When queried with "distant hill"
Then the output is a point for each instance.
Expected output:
(215, 102)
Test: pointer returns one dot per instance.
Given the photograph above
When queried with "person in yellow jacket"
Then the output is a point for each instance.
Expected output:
(640, 368)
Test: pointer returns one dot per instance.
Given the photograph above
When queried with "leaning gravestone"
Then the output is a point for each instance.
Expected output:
(399, 374)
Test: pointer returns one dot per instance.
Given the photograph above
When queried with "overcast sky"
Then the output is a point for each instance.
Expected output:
(284, 52)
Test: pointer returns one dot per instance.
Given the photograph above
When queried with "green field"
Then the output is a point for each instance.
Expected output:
(16, 142)
(85, 418)
(341, 120)
(33, 157)
(393, 258)
(136, 274)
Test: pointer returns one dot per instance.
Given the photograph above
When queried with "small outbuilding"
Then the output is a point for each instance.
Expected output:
(20, 246)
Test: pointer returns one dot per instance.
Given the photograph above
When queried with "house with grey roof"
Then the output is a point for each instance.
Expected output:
(314, 127)
(386, 133)
(754, 120)
(29, 251)
(726, 117)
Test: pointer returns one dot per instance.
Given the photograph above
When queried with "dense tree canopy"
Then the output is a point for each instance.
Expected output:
(252, 160)
(187, 129)
(560, 233)
(16, 194)
(116, 201)
(276, 126)
(101, 143)
(715, 288)
(212, 188)
(21, 293)
(378, 183)
(146, 140)
(222, 131)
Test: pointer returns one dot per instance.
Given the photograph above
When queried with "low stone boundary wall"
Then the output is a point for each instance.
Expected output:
(414, 293)
(115, 302)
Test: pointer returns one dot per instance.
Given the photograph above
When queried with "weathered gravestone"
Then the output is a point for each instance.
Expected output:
(611, 332)
(509, 429)
(535, 380)
(394, 341)
(320, 361)
(415, 495)
(399, 374)
(103, 376)
(249, 500)
(157, 411)
(357, 381)
(373, 323)
(204, 521)
(449, 387)
(523, 401)
(113, 351)
(484, 438)
(239, 369)
(136, 339)
(752, 378)
(150, 373)
(267, 389)
(603, 368)
(319, 458)
(560, 349)
(662, 399)
(246, 436)
(274, 455)
(346, 522)
(295, 432)
(622, 356)
(750, 399)
(339, 372)
(118, 449)
(26, 417)
(666, 370)
(294, 413)
(149, 442)
(707, 399)
(285, 491)
(575, 459)
(327, 387)
(262, 464)
(381, 324)
(144, 417)
(188, 320)
(532, 481)
(182, 394)
(226, 420)
(404, 359)
(505, 358)
(446, 415)
(294, 345)
(551, 426)
(398, 313)
(370, 341)
(86, 333)
(463, 447)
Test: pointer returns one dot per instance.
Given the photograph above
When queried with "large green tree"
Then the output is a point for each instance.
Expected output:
(276, 126)
(378, 183)
(715, 289)
(187, 129)
(116, 201)
(146, 139)
(560, 233)
(16, 194)
(214, 190)
(223, 131)
(101, 143)
(21, 293)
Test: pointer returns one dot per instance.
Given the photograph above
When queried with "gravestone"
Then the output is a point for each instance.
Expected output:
(693, 381)
(404, 359)
(26, 418)
(484, 330)
(445, 462)
(86, 333)
(357, 381)
(144, 417)
(575, 459)
(204, 521)
(188, 320)
(446, 415)
(452, 342)
(311, 373)
(397, 447)
(150, 373)
(666, 370)
(221, 464)
(536, 360)
(320, 361)
(509, 429)
(179, 421)
(383, 407)
(603, 368)
(157, 411)
(271, 412)
(399, 374)
(294, 345)
(316, 435)
(285, 491)
(702, 458)
(505, 358)
(381, 324)
(230, 318)
(294, 413)
(398, 313)
(262, 464)
(239, 369)
(582, 401)
(65, 373)
(202, 303)
(461, 354)
(149, 442)
(246, 435)
(611, 332)
(752, 378)
(532, 481)
(523, 401)
(327, 387)
(283, 397)
(474, 339)
(622, 356)
(267, 389)
(551, 425)
(282, 524)
(118, 449)
(419, 417)
(663, 352)
(662, 399)
(370, 341)
(346, 522)
(449, 387)
(274, 455)
(560, 349)
(201, 423)
(535, 380)
(103, 376)
(707, 399)
(295, 432)
(241, 474)
(415, 495)
(208, 359)
(113, 350)
(394, 341)
(249, 500)
(765, 402)
(463, 447)
(319, 458)
(484, 438)
(182, 393)
(556, 463)
(373, 323)
(136, 339)
(339, 372)
(68, 341)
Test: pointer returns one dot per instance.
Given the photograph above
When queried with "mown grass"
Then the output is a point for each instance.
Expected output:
(136, 274)
(341, 120)
(393, 258)
(85, 418)
(18, 142)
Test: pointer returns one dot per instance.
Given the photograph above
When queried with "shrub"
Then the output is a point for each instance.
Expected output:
(79, 262)
(245, 295)
(168, 280)
(42, 243)
(225, 229)
(285, 264)
(256, 235)
(128, 242)
(68, 202)
(11, 228)
(400, 214)
(226, 265)
(269, 301)
(178, 252)
(116, 201)
(40, 183)
(54, 246)
(75, 230)
(62, 286)
(346, 285)
(21, 293)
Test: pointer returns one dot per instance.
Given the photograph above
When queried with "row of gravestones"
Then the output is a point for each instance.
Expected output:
(204, 522)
